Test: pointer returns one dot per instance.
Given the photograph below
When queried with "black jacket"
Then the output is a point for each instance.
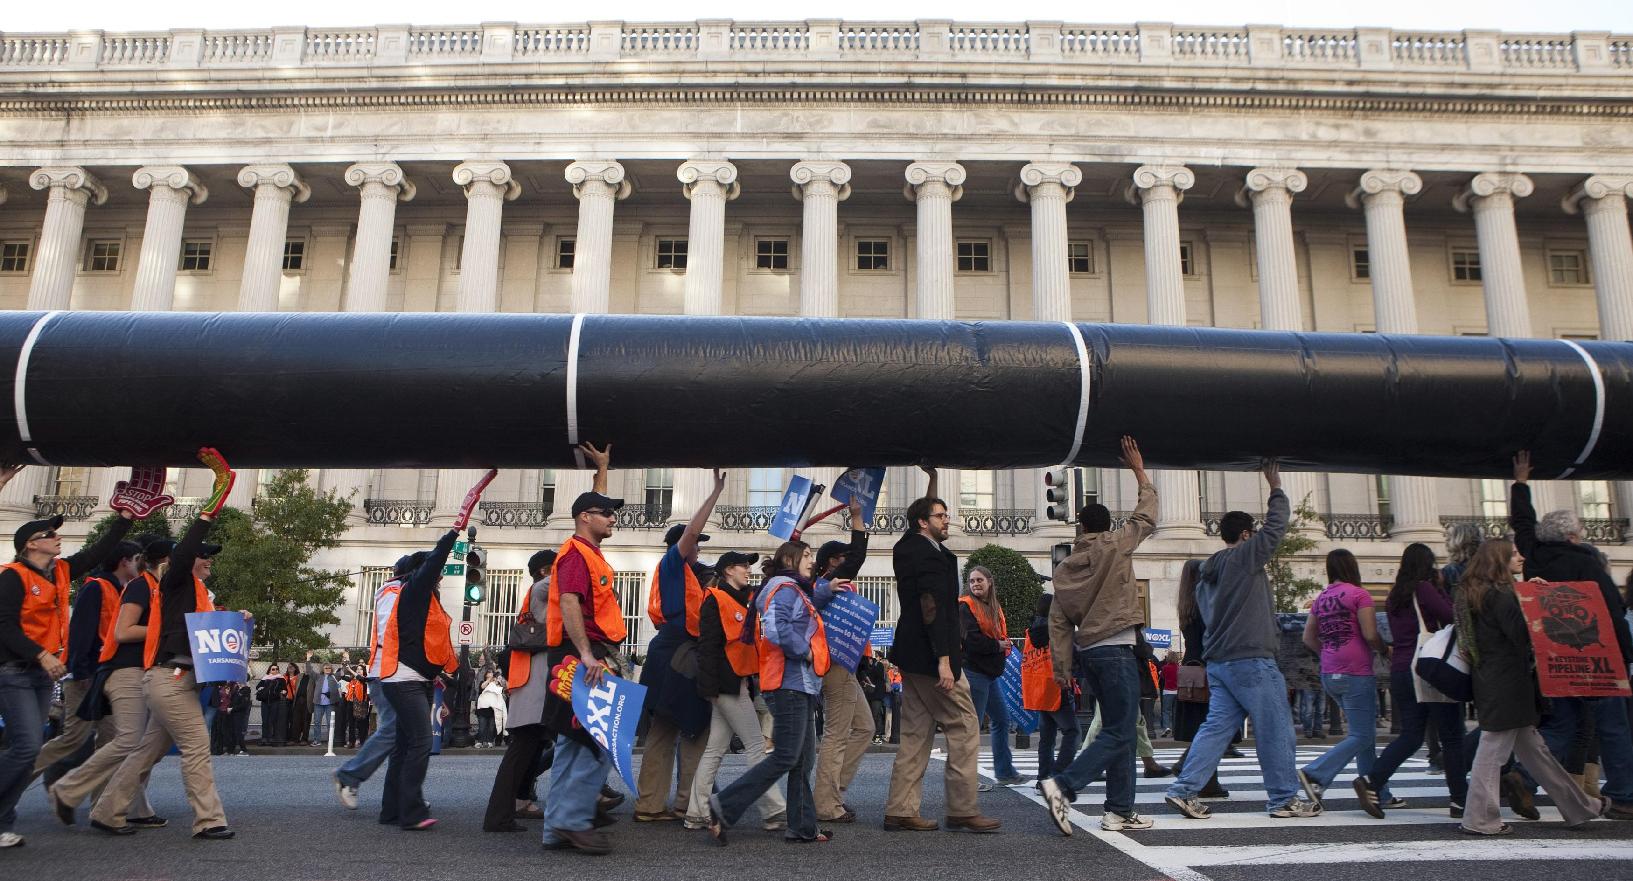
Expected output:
(926, 570)
(714, 673)
(176, 592)
(871, 673)
(1563, 561)
(982, 653)
(414, 606)
(1505, 688)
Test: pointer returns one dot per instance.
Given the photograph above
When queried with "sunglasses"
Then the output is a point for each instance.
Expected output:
(601, 512)
(49, 533)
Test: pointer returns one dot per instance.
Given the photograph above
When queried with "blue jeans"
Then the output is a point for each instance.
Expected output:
(1311, 703)
(794, 741)
(1358, 696)
(1615, 745)
(322, 717)
(1248, 688)
(1169, 700)
(374, 751)
(1064, 723)
(1414, 722)
(1113, 677)
(402, 801)
(576, 779)
(25, 700)
(989, 704)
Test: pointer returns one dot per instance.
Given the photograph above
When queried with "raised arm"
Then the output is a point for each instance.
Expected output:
(687, 546)
(603, 461)
(1522, 515)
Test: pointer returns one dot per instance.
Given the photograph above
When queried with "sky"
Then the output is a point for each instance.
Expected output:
(1558, 16)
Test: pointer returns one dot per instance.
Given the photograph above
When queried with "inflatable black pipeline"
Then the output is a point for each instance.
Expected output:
(442, 390)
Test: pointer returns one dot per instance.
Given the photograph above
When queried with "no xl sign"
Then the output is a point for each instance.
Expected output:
(220, 643)
(609, 712)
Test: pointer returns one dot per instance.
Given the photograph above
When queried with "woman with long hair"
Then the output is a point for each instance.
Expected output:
(1343, 629)
(1190, 714)
(1416, 603)
(1462, 540)
(986, 649)
(271, 692)
(1492, 632)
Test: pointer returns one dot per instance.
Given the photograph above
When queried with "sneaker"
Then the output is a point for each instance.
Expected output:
(1368, 799)
(154, 822)
(1111, 821)
(346, 794)
(1297, 809)
(1436, 768)
(11, 839)
(1395, 803)
(1311, 788)
(1456, 811)
(1011, 780)
(1219, 794)
(1191, 807)
(1060, 806)
(1504, 829)
(696, 823)
(983, 786)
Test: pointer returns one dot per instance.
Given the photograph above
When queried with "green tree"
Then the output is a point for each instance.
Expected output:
(264, 563)
(1018, 584)
(1288, 589)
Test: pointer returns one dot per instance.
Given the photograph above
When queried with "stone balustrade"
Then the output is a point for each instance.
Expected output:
(1166, 45)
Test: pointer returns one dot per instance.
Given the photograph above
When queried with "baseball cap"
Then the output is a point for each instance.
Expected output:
(33, 527)
(589, 500)
(676, 531)
(735, 558)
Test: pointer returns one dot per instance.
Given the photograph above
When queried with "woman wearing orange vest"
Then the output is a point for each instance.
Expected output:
(1056, 707)
(727, 662)
(986, 649)
(529, 752)
(793, 650)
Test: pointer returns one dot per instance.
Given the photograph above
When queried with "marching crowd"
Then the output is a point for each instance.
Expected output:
(741, 661)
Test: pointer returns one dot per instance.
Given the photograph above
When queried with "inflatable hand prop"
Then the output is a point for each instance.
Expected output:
(224, 478)
(142, 494)
(471, 498)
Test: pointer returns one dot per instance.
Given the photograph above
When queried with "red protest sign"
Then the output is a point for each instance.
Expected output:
(1574, 639)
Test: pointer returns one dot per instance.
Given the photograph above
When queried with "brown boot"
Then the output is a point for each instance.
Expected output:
(976, 823)
(1590, 779)
(591, 842)
(910, 824)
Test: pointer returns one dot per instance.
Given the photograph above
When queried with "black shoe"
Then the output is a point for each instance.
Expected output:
(64, 812)
(610, 798)
(215, 833)
(112, 830)
(147, 822)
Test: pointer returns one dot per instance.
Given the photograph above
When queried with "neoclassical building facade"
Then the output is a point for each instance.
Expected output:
(1349, 181)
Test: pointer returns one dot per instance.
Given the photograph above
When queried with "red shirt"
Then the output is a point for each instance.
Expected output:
(573, 577)
(1170, 677)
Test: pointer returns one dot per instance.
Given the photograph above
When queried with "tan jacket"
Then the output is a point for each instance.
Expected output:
(1095, 593)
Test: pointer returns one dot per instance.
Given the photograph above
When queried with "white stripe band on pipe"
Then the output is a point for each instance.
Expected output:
(19, 386)
(1083, 396)
(572, 388)
(1598, 409)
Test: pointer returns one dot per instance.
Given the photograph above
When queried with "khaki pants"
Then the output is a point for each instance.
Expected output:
(923, 705)
(658, 767)
(847, 731)
(175, 718)
(1481, 813)
(1142, 741)
(118, 735)
(75, 731)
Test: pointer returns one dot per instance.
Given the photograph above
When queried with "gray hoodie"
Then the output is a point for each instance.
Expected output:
(1234, 595)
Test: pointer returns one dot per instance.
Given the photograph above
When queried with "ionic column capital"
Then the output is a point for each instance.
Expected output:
(602, 171)
(1150, 180)
(835, 174)
(696, 171)
(69, 177)
(950, 175)
(1276, 181)
(174, 177)
(1036, 174)
(1384, 180)
(387, 174)
(281, 176)
(1493, 183)
(1598, 187)
(495, 173)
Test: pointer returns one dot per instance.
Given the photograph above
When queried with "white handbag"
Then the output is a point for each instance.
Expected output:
(1439, 648)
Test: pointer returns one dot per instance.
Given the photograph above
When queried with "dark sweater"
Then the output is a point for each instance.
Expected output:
(414, 606)
(714, 673)
(85, 625)
(982, 653)
(14, 644)
(1403, 624)
(177, 595)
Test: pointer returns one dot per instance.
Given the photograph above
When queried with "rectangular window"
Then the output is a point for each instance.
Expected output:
(660, 490)
(195, 256)
(1187, 261)
(1567, 268)
(294, 255)
(974, 256)
(1080, 258)
(395, 249)
(102, 255)
(1465, 265)
(765, 486)
(1384, 506)
(14, 256)
(547, 489)
(771, 254)
(671, 253)
(975, 490)
(71, 481)
(565, 249)
(1593, 499)
(1493, 495)
(873, 255)
(1360, 264)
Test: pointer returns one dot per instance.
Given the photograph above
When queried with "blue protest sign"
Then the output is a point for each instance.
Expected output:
(849, 620)
(794, 502)
(883, 636)
(610, 712)
(220, 643)
(1159, 639)
(1009, 685)
(864, 484)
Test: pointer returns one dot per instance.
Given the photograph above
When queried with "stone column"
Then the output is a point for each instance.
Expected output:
(381, 185)
(1490, 197)
(171, 188)
(1158, 189)
(488, 186)
(276, 186)
(709, 184)
(821, 186)
(598, 184)
(1048, 186)
(1382, 193)
(70, 190)
(1602, 199)
(934, 187)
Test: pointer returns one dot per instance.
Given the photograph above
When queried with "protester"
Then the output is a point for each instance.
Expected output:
(1343, 629)
(1239, 646)
(1095, 623)
(871, 674)
(490, 710)
(1056, 705)
(929, 652)
(848, 723)
(1190, 714)
(1170, 690)
(676, 716)
(1417, 604)
(272, 692)
(322, 695)
(297, 714)
(238, 710)
(986, 647)
(1491, 630)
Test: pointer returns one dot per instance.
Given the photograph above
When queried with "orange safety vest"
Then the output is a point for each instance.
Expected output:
(394, 586)
(742, 656)
(521, 663)
(1039, 690)
(107, 615)
(439, 645)
(998, 630)
(694, 602)
(356, 692)
(771, 656)
(609, 613)
(895, 676)
(155, 614)
(45, 607)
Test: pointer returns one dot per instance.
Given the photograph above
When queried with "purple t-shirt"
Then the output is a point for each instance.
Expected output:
(1343, 648)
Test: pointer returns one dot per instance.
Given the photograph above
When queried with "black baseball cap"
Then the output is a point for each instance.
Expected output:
(676, 531)
(587, 501)
(735, 558)
(33, 527)
(156, 548)
(207, 550)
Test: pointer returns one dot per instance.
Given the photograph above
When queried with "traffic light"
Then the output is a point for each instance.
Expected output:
(1058, 492)
(476, 574)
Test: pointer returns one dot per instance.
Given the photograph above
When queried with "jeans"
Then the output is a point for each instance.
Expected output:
(1247, 688)
(1311, 702)
(1358, 696)
(1414, 718)
(793, 735)
(1064, 723)
(989, 704)
(1113, 677)
(25, 700)
(733, 714)
(1615, 746)
(576, 779)
(1169, 700)
(375, 750)
(322, 716)
(402, 802)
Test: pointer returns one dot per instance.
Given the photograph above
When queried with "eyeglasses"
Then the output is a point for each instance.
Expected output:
(601, 512)
(49, 533)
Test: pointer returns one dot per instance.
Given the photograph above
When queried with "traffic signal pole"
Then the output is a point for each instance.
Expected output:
(459, 708)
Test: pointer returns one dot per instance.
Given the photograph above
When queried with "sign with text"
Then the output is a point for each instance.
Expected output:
(862, 484)
(1009, 685)
(220, 643)
(794, 501)
(883, 636)
(610, 712)
(1574, 639)
(1161, 640)
(849, 620)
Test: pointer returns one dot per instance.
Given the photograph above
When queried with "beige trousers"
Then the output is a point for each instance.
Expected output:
(118, 735)
(1485, 776)
(175, 717)
(658, 767)
(922, 706)
(847, 730)
(75, 731)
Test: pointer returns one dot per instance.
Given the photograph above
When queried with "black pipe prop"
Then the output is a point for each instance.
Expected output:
(509, 390)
